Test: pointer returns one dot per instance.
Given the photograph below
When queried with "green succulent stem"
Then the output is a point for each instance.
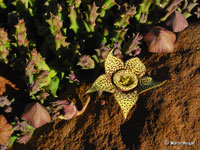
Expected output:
(161, 3)
(143, 9)
(119, 35)
(73, 19)
(187, 11)
(87, 27)
(107, 5)
(124, 18)
(2, 5)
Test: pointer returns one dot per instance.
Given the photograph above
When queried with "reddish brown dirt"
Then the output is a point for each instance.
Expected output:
(168, 113)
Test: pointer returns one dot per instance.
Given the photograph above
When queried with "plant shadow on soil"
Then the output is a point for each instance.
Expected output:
(132, 129)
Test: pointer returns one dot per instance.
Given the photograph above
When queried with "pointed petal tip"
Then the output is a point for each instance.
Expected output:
(147, 83)
(112, 63)
(125, 116)
(126, 101)
(87, 92)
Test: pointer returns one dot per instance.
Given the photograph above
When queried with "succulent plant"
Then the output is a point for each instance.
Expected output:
(4, 45)
(2, 5)
(41, 81)
(184, 7)
(21, 35)
(26, 131)
(73, 18)
(24, 138)
(73, 78)
(103, 51)
(130, 11)
(86, 62)
(39, 75)
(122, 23)
(106, 6)
(172, 7)
(24, 6)
(51, 41)
(120, 35)
(55, 27)
(188, 6)
(143, 11)
(132, 47)
(91, 17)
(125, 80)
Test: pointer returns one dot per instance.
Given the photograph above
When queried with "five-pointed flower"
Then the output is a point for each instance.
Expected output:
(125, 80)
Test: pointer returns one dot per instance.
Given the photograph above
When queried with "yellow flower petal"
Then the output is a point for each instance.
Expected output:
(126, 101)
(102, 83)
(112, 63)
(147, 83)
(135, 65)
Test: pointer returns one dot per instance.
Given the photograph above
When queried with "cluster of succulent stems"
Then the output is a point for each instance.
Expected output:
(53, 43)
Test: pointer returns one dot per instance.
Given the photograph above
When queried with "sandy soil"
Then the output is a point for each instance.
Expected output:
(165, 118)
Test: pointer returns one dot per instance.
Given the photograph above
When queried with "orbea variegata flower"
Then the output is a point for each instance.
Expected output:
(125, 80)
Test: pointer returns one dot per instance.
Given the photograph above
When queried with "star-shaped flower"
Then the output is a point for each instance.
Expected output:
(125, 80)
